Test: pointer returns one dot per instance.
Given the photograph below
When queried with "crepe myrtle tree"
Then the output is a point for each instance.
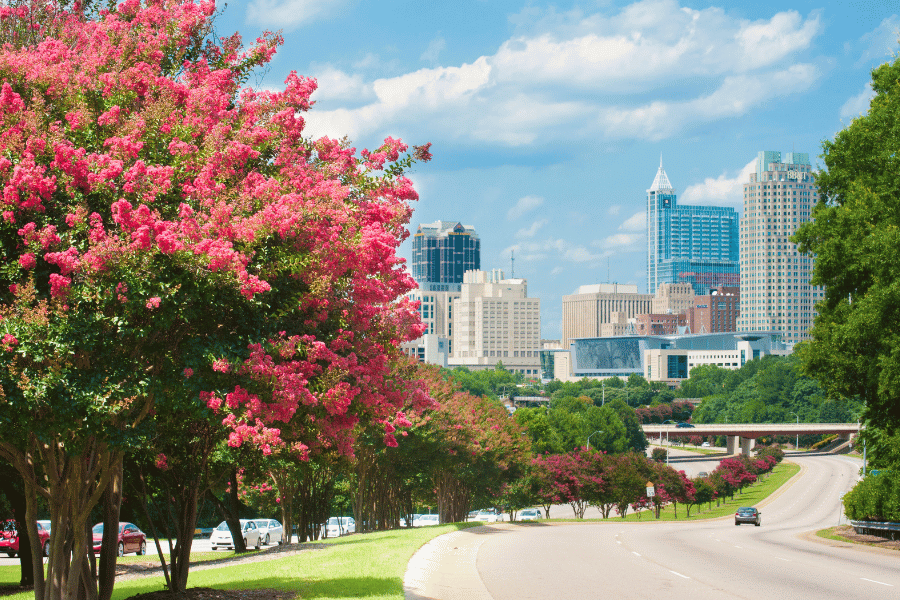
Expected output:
(171, 241)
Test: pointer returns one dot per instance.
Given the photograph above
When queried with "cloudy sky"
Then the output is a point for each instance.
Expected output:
(548, 120)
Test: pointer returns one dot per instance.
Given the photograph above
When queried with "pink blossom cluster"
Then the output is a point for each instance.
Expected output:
(198, 176)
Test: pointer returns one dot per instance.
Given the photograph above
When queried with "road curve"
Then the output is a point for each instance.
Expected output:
(697, 560)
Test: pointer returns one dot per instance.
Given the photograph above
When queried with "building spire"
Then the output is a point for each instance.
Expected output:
(661, 181)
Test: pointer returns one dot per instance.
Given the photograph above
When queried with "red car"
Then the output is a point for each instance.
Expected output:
(9, 538)
(131, 539)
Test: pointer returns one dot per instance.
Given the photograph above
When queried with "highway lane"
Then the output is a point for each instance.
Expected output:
(697, 560)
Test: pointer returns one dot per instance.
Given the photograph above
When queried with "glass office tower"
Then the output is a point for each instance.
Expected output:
(689, 244)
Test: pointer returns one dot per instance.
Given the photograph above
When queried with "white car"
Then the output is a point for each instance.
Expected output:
(530, 514)
(488, 515)
(270, 531)
(338, 526)
(221, 535)
(426, 520)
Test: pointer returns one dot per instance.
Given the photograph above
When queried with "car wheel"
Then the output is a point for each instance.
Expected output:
(245, 544)
(214, 548)
(267, 540)
(257, 542)
(47, 548)
(736, 523)
(11, 554)
(281, 540)
(758, 523)
(121, 551)
(143, 550)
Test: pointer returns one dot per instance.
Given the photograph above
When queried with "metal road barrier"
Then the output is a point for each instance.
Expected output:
(891, 530)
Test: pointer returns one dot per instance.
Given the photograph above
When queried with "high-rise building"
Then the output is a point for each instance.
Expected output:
(442, 252)
(775, 290)
(689, 244)
(495, 321)
(717, 312)
(585, 312)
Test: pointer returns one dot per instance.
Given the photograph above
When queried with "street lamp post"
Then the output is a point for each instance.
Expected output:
(667, 422)
(797, 440)
(589, 438)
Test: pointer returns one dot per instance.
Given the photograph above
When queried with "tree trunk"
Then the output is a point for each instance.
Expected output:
(112, 503)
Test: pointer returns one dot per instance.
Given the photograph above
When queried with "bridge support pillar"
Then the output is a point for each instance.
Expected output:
(730, 444)
(747, 445)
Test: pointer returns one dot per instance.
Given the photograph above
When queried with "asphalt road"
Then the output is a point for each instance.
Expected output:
(697, 560)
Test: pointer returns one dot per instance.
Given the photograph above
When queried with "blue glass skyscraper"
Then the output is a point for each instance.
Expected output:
(691, 244)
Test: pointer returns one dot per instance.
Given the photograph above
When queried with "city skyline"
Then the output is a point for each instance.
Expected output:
(548, 120)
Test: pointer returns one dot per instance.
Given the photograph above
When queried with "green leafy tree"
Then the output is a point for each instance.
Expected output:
(854, 236)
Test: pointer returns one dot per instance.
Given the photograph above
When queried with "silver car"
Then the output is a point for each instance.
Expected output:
(270, 531)
(221, 535)
(530, 514)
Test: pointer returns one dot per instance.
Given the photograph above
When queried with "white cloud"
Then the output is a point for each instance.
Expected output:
(624, 241)
(556, 270)
(614, 210)
(530, 232)
(858, 104)
(525, 205)
(721, 191)
(334, 84)
(288, 14)
(433, 52)
(557, 249)
(636, 222)
(631, 74)
(880, 43)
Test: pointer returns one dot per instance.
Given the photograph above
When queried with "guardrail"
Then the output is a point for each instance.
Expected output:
(891, 530)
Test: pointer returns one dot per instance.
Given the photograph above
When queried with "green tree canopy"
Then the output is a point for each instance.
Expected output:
(854, 235)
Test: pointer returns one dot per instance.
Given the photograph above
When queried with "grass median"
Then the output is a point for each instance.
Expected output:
(355, 566)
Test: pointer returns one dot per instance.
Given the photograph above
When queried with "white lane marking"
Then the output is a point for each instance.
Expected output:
(679, 574)
(878, 582)
(618, 541)
(784, 559)
(635, 553)
(741, 547)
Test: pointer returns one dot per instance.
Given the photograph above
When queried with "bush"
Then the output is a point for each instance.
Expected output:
(875, 498)
(659, 454)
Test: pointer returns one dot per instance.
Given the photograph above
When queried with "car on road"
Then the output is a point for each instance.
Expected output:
(748, 514)
(683, 424)
(221, 535)
(270, 531)
(131, 539)
(338, 526)
(426, 520)
(530, 514)
(9, 538)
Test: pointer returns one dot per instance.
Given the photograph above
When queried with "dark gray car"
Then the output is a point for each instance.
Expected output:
(748, 514)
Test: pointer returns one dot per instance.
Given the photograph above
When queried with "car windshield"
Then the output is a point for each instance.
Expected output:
(98, 528)
(223, 526)
(9, 526)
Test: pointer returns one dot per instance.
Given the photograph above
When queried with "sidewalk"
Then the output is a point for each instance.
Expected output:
(445, 568)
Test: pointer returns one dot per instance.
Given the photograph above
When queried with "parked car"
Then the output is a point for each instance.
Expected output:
(530, 514)
(221, 535)
(131, 539)
(702, 474)
(487, 515)
(9, 538)
(338, 526)
(704, 445)
(426, 520)
(748, 514)
(270, 531)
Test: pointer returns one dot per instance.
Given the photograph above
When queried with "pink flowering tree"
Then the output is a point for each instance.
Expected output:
(172, 242)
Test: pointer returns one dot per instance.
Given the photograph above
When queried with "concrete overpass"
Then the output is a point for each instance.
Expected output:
(748, 432)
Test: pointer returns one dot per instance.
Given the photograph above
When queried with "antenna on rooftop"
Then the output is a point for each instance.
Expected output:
(512, 261)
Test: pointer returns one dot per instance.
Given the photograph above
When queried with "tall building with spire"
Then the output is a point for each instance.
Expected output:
(775, 290)
(689, 244)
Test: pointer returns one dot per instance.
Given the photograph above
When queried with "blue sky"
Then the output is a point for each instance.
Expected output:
(548, 120)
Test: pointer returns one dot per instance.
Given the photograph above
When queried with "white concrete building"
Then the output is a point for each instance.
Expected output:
(495, 321)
